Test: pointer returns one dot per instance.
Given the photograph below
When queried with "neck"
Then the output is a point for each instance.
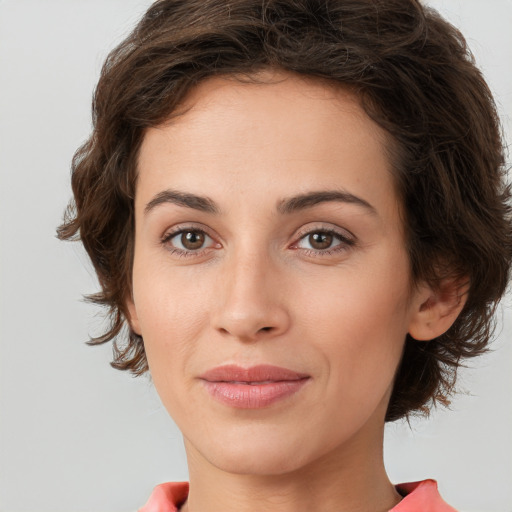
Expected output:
(351, 478)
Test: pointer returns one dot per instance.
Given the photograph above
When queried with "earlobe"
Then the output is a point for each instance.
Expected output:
(436, 310)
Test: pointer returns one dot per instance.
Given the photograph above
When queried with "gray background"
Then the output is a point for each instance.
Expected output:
(76, 435)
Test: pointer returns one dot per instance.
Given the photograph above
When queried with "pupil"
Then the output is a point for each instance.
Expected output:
(320, 240)
(192, 239)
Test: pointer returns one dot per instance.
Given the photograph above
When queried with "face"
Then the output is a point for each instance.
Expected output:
(271, 283)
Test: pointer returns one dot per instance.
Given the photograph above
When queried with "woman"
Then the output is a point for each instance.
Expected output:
(298, 209)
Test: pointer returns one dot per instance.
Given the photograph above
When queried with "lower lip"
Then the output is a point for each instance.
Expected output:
(253, 396)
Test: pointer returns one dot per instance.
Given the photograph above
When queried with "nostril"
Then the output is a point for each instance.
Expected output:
(266, 329)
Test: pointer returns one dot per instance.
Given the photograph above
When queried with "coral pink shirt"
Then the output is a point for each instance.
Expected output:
(418, 497)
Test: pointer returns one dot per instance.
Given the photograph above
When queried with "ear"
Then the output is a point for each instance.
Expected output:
(435, 310)
(132, 317)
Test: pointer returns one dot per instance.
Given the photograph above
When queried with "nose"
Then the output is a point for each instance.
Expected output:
(252, 301)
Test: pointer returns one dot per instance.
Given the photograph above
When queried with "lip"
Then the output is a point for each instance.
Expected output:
(252, 388)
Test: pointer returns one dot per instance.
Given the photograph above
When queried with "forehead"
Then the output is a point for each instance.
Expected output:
(286, 130)
(270, 95)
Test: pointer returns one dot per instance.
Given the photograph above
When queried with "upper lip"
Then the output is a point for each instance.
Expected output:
(261, 373)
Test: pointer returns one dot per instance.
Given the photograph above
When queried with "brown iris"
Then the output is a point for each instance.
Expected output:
(192, 240)
(320, 240)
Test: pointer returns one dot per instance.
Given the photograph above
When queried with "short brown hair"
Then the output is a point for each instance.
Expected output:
(414, 76)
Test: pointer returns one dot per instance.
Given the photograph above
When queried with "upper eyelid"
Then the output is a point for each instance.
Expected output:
(342, 232)
(344, 243)
(181, 227)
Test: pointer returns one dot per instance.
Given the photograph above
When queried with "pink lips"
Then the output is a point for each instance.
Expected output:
(252, 388)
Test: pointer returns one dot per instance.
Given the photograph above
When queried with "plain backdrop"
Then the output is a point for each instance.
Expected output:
(76, 435)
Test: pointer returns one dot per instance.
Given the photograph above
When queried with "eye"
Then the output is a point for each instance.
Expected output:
(318, 241)
(323, 242)
(188, 240)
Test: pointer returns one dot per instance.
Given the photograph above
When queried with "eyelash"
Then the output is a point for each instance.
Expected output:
(179, 230)
(344, 244)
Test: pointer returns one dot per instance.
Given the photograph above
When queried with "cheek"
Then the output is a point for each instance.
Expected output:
(361, 328)
(172, 310)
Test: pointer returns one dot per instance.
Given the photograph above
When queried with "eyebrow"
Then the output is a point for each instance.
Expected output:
(203, 204)
(285, 206)
(310, 199)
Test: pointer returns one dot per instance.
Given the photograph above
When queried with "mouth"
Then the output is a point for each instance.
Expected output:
(252, 388)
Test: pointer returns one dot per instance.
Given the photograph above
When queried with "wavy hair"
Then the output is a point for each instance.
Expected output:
(415, 77)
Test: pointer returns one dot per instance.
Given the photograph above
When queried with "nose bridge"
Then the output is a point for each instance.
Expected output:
(250, 267)
(250, 306)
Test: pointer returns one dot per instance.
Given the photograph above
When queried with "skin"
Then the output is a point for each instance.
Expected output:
(258, 289)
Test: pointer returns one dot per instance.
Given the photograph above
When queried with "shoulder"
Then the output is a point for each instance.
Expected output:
(421, 497)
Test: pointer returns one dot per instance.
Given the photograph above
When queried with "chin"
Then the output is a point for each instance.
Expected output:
(257, 462)
(266, 454)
